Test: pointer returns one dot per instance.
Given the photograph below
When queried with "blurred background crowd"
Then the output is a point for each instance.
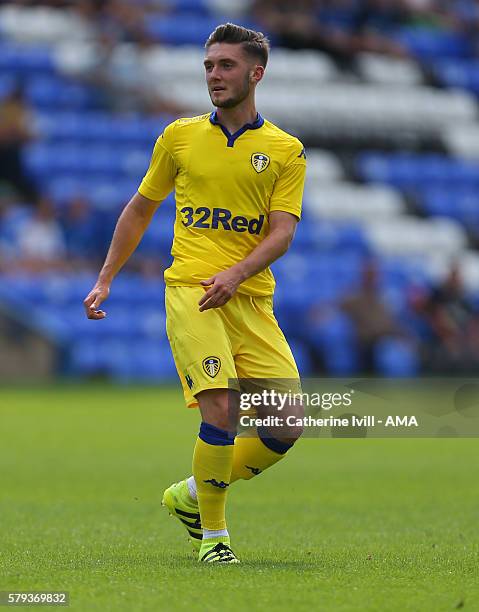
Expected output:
(383, 276)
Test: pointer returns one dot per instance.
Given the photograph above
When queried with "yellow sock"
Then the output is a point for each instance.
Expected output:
(212, 462)
(251, 456)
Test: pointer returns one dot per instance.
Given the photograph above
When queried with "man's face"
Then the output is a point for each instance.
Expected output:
(229, 74)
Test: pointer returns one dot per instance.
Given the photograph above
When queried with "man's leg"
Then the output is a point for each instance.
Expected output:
(213, 460)
(253, 454)
(269, 353)
(212, 464)
(204, 358)
(256, 451)
(249, 456)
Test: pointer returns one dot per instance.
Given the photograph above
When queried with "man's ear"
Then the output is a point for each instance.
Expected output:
(257, 74)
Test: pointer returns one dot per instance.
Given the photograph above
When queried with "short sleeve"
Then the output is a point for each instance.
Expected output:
(159, 181)
(288, 189)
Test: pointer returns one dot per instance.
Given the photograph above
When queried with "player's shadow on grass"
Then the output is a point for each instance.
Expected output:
(179, 562)
(277, 564)
(262, 564)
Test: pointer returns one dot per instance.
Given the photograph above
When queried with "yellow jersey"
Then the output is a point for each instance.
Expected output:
(225, 186)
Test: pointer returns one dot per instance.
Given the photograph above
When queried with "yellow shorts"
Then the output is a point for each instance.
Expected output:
(242, 339)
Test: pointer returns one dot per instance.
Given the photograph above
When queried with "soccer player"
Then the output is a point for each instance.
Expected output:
(239, 183)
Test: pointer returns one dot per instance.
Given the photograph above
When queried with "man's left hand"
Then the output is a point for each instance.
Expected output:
(222, 287)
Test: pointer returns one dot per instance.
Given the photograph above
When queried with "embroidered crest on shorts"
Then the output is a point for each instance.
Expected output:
(259, 161)
(211, 365)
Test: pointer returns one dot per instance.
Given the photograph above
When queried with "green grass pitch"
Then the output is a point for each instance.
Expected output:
(339, 525)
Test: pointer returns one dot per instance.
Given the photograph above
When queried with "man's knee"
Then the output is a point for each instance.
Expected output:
(291, 428)
(218, 408)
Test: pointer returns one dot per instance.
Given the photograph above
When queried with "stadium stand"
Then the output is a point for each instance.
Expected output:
(393, 177)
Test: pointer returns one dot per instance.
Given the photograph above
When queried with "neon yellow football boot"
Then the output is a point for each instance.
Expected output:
(180, 505)
(217, 550)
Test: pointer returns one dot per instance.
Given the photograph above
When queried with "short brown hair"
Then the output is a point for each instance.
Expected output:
(254, 43)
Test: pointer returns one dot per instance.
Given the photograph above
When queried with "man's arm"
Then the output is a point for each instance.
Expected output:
(223, 285)
(129, 230)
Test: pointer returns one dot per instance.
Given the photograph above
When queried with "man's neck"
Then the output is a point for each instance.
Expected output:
(234, 119)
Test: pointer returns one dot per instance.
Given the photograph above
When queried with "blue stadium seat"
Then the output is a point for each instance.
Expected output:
(341, 360)
(108, 162)
(336, 16)
(464, 74)
(146, 361)
(10, 222)
(405, 170)
(302, 357)
(190, 7)
(135, 161)
(103, 194)
(329, 236)
(102, 160)
(153, 292)
(111, 195)
(26, 60)
(460, 203)
(304, 237)
(57, 93)
(333, 337)
(333, 329)
(97, 127)
(180, 29)
(60, 125)
(395, 358)
(352, 240)
(28, 287)
(90, 357)
(132, 290)
(64, 188)
(84, 358)
(430, 43)
(7, 84)
(159, 235)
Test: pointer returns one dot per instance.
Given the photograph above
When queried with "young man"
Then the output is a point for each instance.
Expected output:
(239, 183)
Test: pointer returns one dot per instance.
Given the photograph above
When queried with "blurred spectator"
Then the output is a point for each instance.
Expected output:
(386, 16)
(466, 13)
(119, 71)
(124, 21)
(450, 328)
(345, 27)
(150, 267)
(299, 25)
(7, 236)
(82, 228)
(40, 243)
(372, 319)
(15, 131)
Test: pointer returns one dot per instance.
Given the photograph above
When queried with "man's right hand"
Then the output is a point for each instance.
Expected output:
(93, 300)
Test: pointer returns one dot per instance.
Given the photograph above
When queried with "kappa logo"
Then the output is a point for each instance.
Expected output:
(212, 365)
(259, 161)
(255, 470)
(221, 484)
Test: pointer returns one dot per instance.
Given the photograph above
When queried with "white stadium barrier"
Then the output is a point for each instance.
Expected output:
(349, 201)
